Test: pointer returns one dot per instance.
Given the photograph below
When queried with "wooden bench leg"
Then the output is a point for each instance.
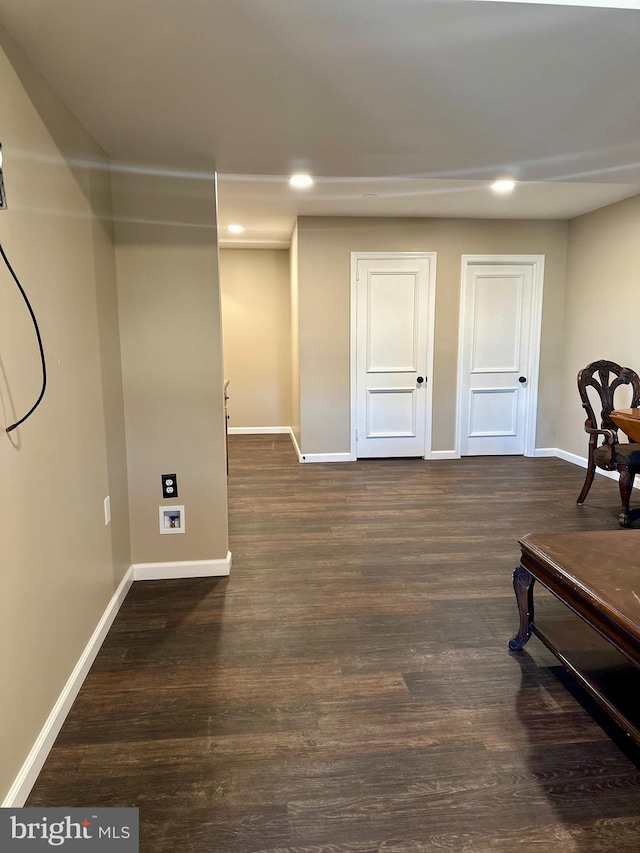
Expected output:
(523, 585)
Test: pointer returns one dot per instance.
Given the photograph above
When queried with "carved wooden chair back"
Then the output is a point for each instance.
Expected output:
(606, 377)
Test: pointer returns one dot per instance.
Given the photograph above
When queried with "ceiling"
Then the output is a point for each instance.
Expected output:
(419, 103)
(267, 206)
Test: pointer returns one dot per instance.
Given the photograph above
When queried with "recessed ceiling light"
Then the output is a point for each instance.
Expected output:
(301, 182)
(235, 229)
(503, 186)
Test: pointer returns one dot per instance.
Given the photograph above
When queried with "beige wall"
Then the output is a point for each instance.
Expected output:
(602, 304)
(295, 335)
(256, 333)
(324, 246)
(170, 326)
(58, 559)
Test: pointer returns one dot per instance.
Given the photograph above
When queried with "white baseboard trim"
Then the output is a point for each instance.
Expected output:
(32, 766)
(265, 430)
(327, 457)
(577, 460)
(540, 452)
(188, 569)
(296, 447)
(442, 454)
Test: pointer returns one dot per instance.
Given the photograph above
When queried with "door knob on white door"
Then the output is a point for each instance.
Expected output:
(522, 379)
(420, 380)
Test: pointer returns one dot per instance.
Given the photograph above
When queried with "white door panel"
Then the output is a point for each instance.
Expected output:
(392, 322)
(496, 342)
(393, 354)
(497, 352)
(493, 416)
(391, 413)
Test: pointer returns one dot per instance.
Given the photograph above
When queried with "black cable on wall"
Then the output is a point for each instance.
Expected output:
(38, 336)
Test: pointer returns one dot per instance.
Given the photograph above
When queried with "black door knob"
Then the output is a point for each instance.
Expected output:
(420, 380)
(522, 379)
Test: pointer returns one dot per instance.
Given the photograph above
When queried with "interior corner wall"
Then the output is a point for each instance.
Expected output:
(59, 562)
(111, 368)
(256, 322)
(294, 305)
(602, 298)
(170, 328)
(324, 247)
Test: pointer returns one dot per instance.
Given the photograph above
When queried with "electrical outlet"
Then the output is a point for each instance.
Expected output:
(169, 486)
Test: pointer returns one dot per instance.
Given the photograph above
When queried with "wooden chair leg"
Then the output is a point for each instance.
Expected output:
(588, 480)
(627, 476)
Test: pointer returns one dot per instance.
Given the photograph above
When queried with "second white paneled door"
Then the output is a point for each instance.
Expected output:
(499, 352)
(394, 304)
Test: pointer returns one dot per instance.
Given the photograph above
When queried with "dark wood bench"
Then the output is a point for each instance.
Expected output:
(597, 576)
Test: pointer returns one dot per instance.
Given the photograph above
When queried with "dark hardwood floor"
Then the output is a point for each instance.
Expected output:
(348, 689)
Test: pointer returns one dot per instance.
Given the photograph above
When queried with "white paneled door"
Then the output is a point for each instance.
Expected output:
(499, 354)
(394, 305)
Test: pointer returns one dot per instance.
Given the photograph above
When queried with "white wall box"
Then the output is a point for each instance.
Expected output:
(171, 519)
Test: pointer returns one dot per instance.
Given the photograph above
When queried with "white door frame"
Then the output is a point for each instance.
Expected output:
(537, 264)
(382, 256)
